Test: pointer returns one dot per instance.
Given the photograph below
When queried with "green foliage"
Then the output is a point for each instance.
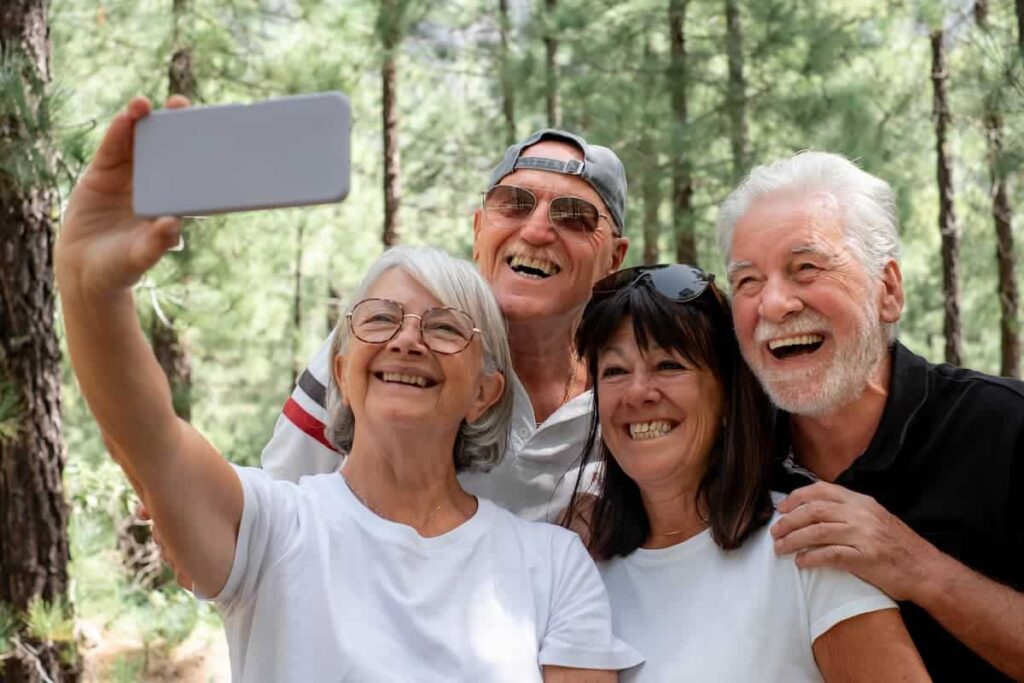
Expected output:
(50, 621)
(10, 411)
(850, 77)
(8, 627)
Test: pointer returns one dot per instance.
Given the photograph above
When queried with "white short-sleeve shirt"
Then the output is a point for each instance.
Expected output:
(534, 480)
(700, 613)
(322, 589)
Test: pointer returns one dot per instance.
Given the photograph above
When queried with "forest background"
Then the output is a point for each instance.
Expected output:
(926, 94)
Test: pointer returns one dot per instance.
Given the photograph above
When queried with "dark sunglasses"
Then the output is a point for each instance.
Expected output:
(675, 281)
(507, 206)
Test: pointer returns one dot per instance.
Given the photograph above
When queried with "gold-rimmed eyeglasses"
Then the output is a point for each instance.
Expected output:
(443, 329)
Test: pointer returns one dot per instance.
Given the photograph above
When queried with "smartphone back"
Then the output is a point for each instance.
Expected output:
(290, 151)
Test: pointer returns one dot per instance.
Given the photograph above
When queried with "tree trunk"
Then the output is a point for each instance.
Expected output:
(1002, 217)
(389, 110)
(947, 215)
(551, 48)
(650, 173)
(1009, 300)
(33, 512)
(508, 101)
(682, 177)
(736, 94)
(298, 363)
(168, 347)
(1020, 25)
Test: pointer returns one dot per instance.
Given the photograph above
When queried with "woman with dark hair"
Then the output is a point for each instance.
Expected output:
(679, 520)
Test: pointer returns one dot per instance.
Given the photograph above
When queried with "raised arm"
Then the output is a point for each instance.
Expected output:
(102, 251)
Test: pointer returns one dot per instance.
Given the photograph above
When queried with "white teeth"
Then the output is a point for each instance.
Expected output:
(546, 267)
(799, 340)
(404, 379)
(649, 430)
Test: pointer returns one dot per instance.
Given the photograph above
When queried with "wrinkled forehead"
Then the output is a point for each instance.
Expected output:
(556, 184)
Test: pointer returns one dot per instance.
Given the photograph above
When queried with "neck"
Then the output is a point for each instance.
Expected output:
(408, 481)
(544, 361)
(673, 514)
(828, 444)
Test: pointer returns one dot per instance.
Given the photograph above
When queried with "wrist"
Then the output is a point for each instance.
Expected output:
(937, 575)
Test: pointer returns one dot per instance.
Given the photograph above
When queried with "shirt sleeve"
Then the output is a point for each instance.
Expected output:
(299, 446)
(579, 630)
(833, 596)
(268, 529)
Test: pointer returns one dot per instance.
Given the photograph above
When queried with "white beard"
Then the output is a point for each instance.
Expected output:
(821, 389)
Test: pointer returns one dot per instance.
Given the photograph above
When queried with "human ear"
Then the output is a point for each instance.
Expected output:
(478, 217)
(338, 368)
(488, 392)
(892, 293)
(620, 245)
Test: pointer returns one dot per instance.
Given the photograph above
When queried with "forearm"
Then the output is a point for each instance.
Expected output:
(118, 374)
(985, 615)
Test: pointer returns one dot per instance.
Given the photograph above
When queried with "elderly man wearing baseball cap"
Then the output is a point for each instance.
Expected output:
(550, 225)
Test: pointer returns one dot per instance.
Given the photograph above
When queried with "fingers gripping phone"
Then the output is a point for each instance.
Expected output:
(290, 151)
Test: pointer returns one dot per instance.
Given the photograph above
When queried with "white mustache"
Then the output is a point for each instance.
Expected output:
(806, 322)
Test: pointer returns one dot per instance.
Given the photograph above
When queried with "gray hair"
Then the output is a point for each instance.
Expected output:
(481, 444)
(867, 204)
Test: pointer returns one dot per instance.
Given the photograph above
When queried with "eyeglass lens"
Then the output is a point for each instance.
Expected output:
(444, 330)
(507, 205)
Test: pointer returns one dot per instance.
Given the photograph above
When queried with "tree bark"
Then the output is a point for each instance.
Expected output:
(508, 97)
(736, 94)
(554, 103)
(682, 176)
(297, 361)
(1002, 217)
(390, 38)
(1019, 7)
(948, 229)
(171, 352)
(650, 179)
(1009, 299)
(33, 511)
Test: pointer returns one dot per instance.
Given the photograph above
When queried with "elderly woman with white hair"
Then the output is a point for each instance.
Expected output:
(387, 570)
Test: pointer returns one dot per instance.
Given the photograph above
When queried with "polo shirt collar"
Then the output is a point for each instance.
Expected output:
(908, 391)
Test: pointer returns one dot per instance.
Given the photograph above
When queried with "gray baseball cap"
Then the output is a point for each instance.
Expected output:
(600, 168)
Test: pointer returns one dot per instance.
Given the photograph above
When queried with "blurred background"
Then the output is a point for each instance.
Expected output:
(926, 94)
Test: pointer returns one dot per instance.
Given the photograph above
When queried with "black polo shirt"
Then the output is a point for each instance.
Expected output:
(947, 459)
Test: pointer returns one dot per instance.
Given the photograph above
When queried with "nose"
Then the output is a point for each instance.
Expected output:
(537, 228)
(409, 338)
(778, 301)
(641, 390)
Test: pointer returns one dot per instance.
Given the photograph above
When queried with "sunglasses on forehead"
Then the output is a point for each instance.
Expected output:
(675, 281)
(507, 206)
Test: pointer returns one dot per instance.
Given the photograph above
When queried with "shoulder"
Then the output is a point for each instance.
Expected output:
(948, 385)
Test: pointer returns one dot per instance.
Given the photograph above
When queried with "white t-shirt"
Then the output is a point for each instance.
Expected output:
(322, 589)
(700, 613)
(534, 480)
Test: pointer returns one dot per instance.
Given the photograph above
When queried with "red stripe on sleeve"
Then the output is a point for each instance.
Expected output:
(306, 422)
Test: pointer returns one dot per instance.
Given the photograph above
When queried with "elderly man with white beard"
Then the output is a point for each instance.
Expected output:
(907, 474)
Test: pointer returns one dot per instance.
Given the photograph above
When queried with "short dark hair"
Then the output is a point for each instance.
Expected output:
(735, 486)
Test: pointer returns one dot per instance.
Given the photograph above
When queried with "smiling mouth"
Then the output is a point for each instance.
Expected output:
(643, 431)
(405, 379)
(535, 268)
(798, 345)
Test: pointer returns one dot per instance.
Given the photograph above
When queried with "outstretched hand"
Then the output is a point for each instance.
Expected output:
(103, 246)
(827, 525)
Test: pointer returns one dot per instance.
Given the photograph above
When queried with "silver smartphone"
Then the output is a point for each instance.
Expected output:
(289, 151)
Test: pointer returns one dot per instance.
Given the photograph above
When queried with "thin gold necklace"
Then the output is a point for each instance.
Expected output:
(371, 508)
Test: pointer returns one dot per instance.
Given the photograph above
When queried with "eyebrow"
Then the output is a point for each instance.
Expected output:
(810, 249)
(737, 266)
